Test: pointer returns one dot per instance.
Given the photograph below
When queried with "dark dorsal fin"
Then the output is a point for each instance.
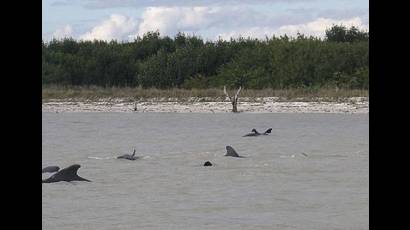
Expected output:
(133, 154)
(70, 171)
(231, 152)
(66, 174)
(208, 163)
(255, 131)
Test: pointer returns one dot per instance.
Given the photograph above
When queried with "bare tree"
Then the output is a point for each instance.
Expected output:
(135, 107)
(234, 99)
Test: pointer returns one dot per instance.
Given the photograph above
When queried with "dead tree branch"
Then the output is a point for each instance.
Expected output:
(234, 99)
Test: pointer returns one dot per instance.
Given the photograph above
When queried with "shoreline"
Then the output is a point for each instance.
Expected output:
(210, 105)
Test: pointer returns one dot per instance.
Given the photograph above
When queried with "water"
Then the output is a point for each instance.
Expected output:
(274, 187)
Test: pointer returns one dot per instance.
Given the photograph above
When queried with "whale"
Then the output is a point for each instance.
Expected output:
(230, 152)
(255, 133)
(252, 134)
(67, 174)
(50, 169)
(128, 156)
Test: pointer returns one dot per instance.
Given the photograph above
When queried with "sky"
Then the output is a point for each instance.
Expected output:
(125, 20)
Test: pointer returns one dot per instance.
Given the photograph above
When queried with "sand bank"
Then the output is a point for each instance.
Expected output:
(247, 105)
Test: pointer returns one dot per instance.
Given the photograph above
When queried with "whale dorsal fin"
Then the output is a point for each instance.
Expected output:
(231, 152)
(133, 154)
(70, 171)
(255, 131)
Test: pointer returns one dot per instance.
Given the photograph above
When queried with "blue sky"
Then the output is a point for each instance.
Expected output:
(211, 19)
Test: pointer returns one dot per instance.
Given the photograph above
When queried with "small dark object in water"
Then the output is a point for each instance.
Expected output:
(50, 169)
(128, 156)
(255, 133)
(208, 163)
(304, 154)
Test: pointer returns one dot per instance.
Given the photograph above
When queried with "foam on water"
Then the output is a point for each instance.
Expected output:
(101, 158)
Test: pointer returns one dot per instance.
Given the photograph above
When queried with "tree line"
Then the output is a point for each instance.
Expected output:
(340, 59)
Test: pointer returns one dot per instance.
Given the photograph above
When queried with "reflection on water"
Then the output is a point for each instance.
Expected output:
(311, 172)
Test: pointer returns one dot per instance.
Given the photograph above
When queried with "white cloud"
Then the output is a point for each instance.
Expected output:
(211, 22)
(104, 4)
(214, 22)
(253, 32)
(208, 18)
(314, 28)
(317, 27)
(170, 20)
(117, 27)
(66, 31)
(204, 21)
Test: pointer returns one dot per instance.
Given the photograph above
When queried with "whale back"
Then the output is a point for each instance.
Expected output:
(50, 169)
(128, 157)
(66, 174)
(254, 132)
(231, 152)
(208, 163)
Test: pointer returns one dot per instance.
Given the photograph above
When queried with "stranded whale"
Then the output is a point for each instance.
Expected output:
(67, 174)
(50, 169)
(255, 133)
(231, 152)
(128, 156)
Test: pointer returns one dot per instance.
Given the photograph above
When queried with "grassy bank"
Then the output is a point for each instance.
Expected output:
(127, 93)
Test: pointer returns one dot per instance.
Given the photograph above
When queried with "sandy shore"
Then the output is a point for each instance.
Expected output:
(247, 105)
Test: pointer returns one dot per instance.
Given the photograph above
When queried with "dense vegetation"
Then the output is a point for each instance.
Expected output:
(154, 61)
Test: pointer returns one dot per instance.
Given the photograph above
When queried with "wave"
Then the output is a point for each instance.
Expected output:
(107, 158)
(101, 158)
